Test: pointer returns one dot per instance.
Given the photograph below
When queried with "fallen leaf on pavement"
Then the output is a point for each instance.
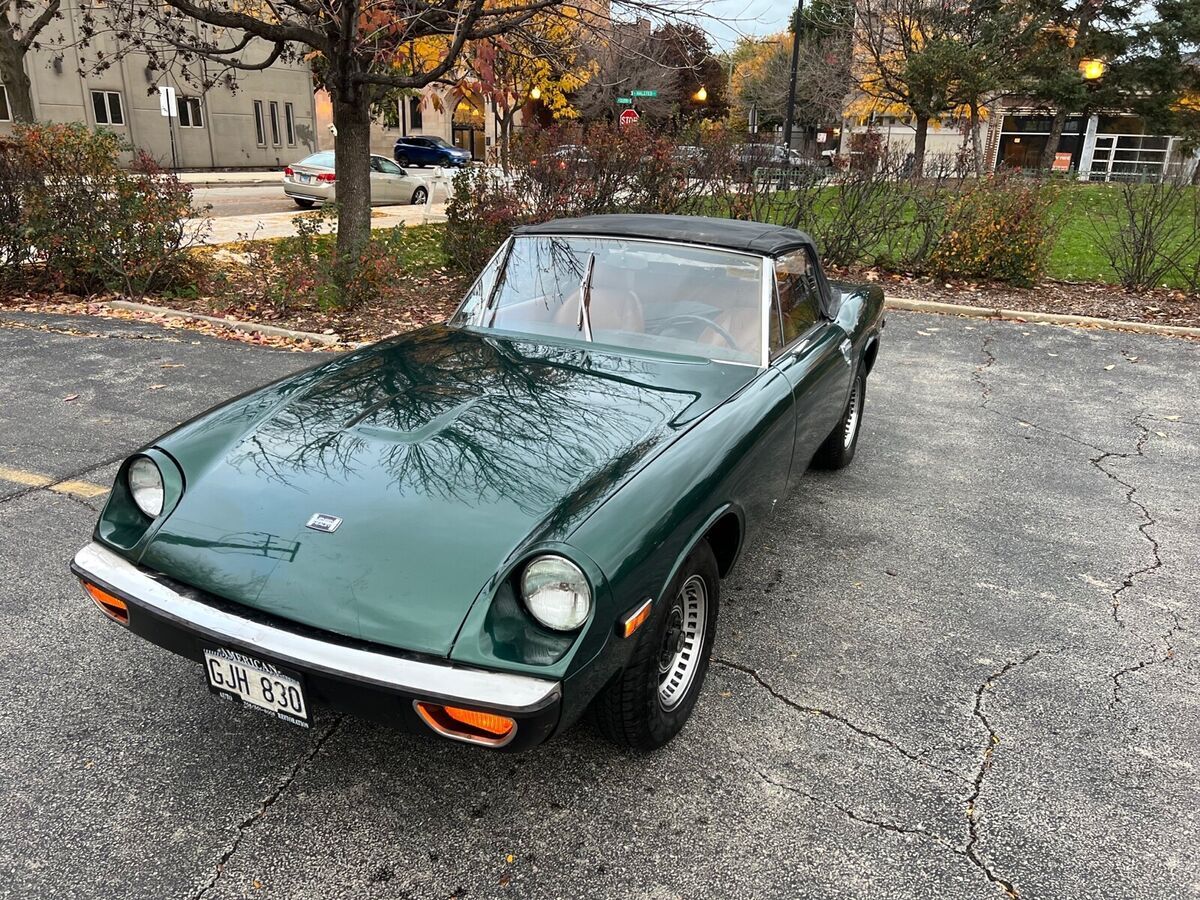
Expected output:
(155, 387)
(1109, 368)
(171, 366)
(70, 397)
(1168, 418)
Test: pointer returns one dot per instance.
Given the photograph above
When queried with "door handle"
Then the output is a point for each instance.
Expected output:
(801, 347)
(846, 347)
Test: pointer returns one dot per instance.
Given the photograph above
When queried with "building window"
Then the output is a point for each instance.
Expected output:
(414, 112)
(190, 113)
(107, 106)
(5, 112)
(289, 124)
(260, 134)
(274, 123)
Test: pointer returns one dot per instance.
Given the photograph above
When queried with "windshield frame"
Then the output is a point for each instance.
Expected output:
(500, 257)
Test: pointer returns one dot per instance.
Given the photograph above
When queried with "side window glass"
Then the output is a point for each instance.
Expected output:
(375, 167)
(387, 167)
(797, 292)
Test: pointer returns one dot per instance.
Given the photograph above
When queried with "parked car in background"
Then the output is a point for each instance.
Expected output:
(314, 180)
(481, 529)
(425, 150)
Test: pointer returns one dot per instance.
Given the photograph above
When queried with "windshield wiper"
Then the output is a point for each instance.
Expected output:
(487, 315)
(585, 299)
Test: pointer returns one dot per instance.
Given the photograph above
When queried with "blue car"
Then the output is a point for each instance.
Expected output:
(428, 151)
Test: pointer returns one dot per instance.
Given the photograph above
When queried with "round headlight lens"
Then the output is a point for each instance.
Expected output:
(146, 486)
(556, 593)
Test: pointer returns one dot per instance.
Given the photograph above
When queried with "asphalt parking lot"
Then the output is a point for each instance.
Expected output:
(964, 667)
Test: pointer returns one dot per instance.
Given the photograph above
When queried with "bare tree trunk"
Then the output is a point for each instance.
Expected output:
(918, 167)
(353, 147)
(1053, 139)
(976, 142)
(15, 80)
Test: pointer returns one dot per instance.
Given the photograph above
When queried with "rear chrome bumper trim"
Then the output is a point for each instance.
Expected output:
(502, 691)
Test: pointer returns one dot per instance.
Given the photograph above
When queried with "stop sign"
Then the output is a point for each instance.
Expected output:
(628, 116)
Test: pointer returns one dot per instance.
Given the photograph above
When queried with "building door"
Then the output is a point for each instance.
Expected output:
(467, 126)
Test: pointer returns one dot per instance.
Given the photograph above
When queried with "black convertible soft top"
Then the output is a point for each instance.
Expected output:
(731, 234)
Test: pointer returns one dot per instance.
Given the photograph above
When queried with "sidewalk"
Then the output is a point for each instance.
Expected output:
(227, 229)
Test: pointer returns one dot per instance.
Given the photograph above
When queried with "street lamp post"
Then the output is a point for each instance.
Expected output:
(790, 113)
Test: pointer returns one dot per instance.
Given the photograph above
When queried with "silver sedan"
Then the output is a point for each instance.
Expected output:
(314, 180)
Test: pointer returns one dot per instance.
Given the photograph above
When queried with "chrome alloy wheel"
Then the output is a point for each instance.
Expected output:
(850, 429)
(679, 656)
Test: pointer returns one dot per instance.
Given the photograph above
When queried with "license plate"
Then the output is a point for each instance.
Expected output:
(305, 179)
(256, 684)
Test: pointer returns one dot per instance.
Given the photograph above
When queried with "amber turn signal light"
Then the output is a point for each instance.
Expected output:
(470, 725)
(635, 619)
(111, 606)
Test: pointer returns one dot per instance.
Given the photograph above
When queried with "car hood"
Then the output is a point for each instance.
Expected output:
(443, 453)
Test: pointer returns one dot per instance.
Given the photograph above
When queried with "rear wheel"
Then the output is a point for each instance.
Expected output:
(420, 195)
(304, 204)
(653, 697)
(838, 449)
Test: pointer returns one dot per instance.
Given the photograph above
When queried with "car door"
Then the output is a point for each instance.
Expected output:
(811, 350)
(396, 183)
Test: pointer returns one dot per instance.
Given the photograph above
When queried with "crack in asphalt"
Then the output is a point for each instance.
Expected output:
(992, 741)
(985, 389)
(835, 717)
(884, 825)
(1148, 521)
(1143, 527)
(247, 823)
(1167, 655)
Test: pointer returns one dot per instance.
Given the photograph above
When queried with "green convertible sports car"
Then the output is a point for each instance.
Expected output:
(483, 528)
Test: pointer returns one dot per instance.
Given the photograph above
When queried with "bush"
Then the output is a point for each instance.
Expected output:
(1151, 232)
(73, 215)
(305, 270)
(999, 227)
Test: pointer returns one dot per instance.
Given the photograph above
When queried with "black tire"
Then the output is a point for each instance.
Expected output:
(402, 161)
(838, 449)
(304, 204)
(631, 711)
(420, 195)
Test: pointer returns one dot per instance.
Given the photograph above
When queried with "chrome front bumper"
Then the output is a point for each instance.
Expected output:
(520, 695)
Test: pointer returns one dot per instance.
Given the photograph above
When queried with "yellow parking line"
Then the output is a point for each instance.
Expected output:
(20, 476)
(84, 489)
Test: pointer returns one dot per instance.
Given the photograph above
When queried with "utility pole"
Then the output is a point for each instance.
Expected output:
(790, 113)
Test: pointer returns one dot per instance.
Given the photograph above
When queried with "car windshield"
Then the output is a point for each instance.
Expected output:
(641, 295)
(324, 159)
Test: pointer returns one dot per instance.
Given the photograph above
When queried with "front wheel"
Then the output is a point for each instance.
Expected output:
(402, 161)
(420, 195)
(838, 449)
(653, 697)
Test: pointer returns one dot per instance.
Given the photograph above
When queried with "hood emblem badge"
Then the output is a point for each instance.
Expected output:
(323, 522)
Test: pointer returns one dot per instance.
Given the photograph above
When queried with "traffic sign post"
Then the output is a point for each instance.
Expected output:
(628, 117)
(168, 107)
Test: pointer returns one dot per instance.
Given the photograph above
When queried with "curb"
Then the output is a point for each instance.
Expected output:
(328, 340)
(984, 312)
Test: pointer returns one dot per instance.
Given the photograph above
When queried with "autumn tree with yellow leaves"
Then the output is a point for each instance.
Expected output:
(544, 62)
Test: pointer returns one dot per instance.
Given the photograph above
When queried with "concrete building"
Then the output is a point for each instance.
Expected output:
(267, 120)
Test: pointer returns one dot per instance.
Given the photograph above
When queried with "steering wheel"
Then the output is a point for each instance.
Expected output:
(728, 338)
